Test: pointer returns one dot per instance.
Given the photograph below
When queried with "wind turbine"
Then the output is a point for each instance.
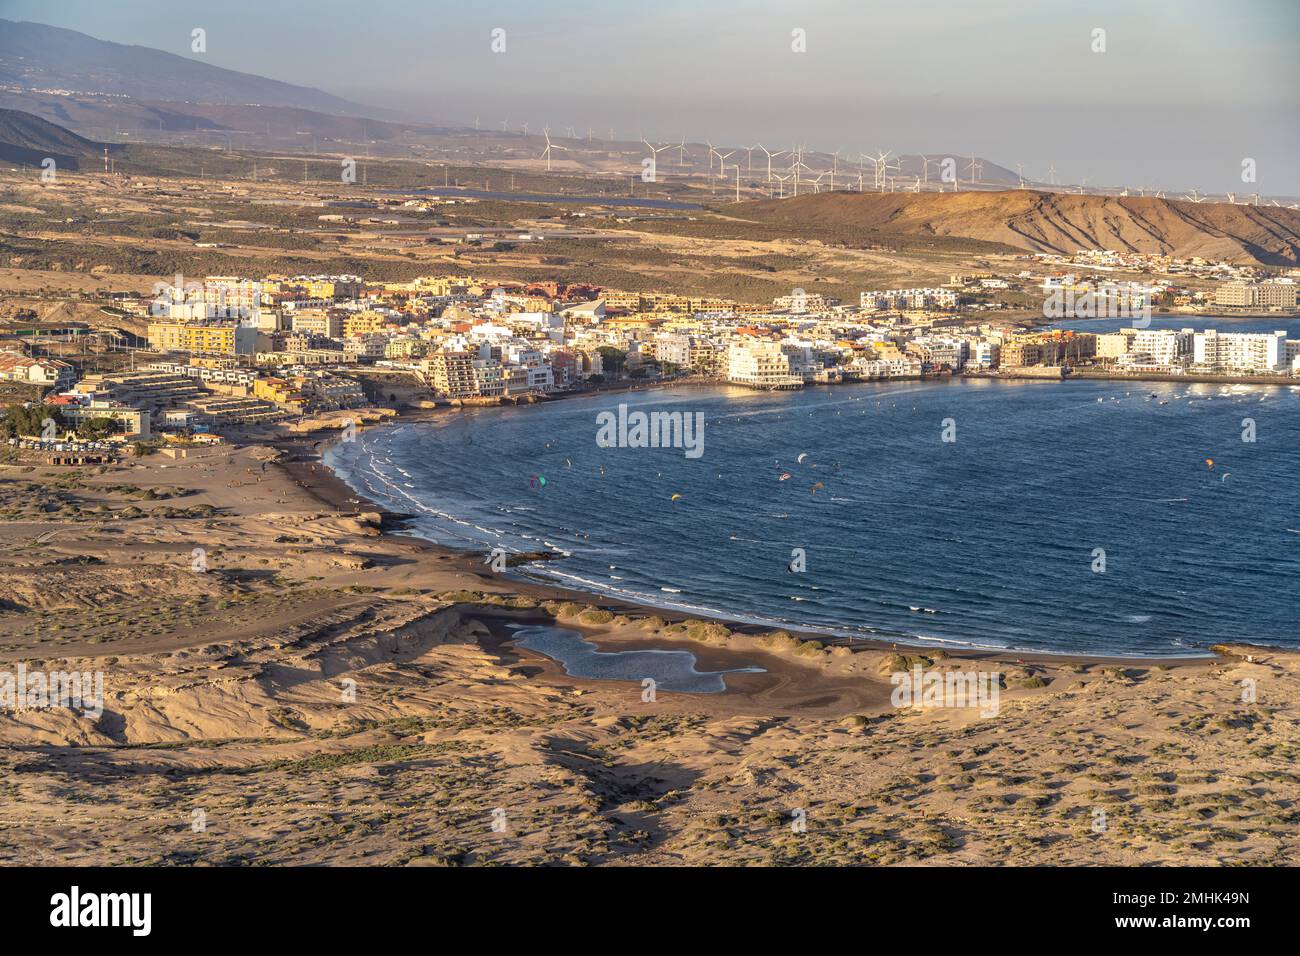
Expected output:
(1194, 196)
(798, 166)
(713, 151)
(781, 180)
(881, 167)
(886, 169)
(1051, 173)
(722, 174)
(546, 153)
(655, 152)
(770, 156)
(974, 169)
(681, 152)
(1020, 172)
(863, 157)
(925, 167)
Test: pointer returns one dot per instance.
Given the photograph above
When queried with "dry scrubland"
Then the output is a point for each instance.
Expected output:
(85, 226)
(225, 695)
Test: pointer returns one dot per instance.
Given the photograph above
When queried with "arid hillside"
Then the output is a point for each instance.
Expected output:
(27, 140)
(1054, 222)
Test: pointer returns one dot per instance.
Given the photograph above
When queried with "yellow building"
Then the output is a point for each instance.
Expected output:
(167, 336)
(445, 286)
(207, 339)
(623, 301)
(281, 391)
(404, 348)
(202, 338)
(364, 323)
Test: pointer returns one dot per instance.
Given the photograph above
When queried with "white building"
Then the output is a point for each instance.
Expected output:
(1167, 348)
(1247, 352)
(1280, 294)
(984, 354)
(760, 364)
(17, 367)
(803, 364)
(918, 298)
(540, 377)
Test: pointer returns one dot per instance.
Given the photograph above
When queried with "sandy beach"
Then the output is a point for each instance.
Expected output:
(328, 689)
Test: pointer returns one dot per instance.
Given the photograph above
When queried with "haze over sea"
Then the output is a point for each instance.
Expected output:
(988, 541)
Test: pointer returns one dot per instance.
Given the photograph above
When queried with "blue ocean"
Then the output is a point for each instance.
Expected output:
(1084, 517)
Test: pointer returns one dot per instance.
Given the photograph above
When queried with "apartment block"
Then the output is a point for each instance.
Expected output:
(134, 421)
(760, 364)
(1257, 295)
(451, 374)
(1246, 352)
(324, 322)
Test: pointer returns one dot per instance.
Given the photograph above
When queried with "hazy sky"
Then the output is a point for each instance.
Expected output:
(1185, 90)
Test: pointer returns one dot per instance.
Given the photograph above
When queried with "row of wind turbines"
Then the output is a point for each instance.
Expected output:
(883, 175)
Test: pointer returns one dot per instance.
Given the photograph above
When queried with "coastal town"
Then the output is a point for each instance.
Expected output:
(560, 435)
(226, 352)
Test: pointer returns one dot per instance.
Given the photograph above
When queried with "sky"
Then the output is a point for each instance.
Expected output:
(1183, 93)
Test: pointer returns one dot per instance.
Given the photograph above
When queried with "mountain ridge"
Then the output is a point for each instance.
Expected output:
(38, 56)
(28, 140)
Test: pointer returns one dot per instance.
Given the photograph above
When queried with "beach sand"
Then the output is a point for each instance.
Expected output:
(330, 690)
